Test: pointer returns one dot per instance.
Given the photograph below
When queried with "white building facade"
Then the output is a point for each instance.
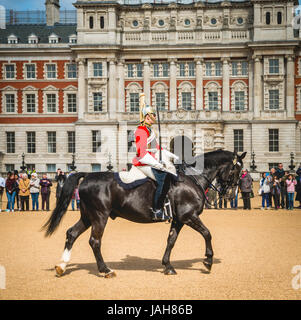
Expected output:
(224, 74)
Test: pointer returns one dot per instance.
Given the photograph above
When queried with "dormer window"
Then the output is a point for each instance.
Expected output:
(12, 39)
(33, 39)
(53, 38)
(72, 38)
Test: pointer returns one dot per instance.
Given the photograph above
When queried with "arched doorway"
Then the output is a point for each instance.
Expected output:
(183, 147)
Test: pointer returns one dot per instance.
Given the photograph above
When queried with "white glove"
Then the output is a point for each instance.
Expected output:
(151, 161)
(171, 155)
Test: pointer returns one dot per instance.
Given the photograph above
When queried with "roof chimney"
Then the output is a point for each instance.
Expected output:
(52, 12)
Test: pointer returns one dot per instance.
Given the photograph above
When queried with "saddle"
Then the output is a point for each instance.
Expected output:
(131, 179)
(134, 178)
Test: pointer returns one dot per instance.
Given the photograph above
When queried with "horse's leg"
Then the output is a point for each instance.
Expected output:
(95, 243)
(71, 235)
(175, 228)
(196, 223)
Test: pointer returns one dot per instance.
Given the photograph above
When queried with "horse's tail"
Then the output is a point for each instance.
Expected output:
(63, 203)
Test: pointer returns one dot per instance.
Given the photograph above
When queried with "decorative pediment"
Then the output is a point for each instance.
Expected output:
(70, 88)
(30, 88)
(50, 88)
(9, 88)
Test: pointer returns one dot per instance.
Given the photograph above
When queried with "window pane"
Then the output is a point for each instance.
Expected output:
(244, 68)
(238, 140)
(51, 167)
(10, 71)
(274, 99)
(71, 98)
(97, 69)
(182, 69)
(97, 101)
(139, 70)
(51, 102)
(234, 68)
(186, 100)
(239, 100)
(213, 100)
(31, 103)
(134, 102)
(51, 142)
(130, 70)
(156, 70)
(273, 140)
(131, 141)
(218, 69)
(30, 71)
(71, 142)
(10, 102)
(274, 65)
(31, 142)
(191, 69)
(51, 71)
(96, 141)
(71, 70)
(96, 167)
(165, 67)
(160, 100)
(208, 68)
(10, 142)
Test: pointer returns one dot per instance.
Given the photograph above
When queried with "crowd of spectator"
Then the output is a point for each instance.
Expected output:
(20, 187)
(277, 188)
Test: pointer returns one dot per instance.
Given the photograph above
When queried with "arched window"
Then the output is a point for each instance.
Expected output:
(102, 22)
(268, 18)
(91, 22)
(279, 17)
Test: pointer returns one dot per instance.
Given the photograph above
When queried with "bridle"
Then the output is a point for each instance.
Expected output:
(225, 185)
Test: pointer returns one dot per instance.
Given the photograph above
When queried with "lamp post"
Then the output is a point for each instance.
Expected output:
(73, 166)
(109, 166)
(23, 167)
(292, 166)
(253, 166)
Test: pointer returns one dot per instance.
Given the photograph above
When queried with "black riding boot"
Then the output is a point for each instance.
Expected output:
(163, 182)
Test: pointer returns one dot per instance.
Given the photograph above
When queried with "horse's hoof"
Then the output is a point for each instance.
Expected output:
(208, 265)
(170, 272)
(59, 270)
(110, 274)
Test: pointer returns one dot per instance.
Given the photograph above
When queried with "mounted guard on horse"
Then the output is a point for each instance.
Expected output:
(147, 146)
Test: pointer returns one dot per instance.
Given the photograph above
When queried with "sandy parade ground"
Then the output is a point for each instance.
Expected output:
(255, 253)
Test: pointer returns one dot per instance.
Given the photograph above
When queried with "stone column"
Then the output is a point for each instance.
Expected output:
(112, 89)
(226, 85)
(199, 84)
(146, 80)
(257, 86)
(290, 86)
(173, 85)
(120, 80)
(82, 103)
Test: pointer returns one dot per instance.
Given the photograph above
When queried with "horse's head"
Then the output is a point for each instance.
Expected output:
(229, 174)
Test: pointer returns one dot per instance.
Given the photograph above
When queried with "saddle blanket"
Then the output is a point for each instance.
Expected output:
(131, 179)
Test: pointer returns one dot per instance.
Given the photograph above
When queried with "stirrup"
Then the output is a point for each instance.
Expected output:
(158, 215)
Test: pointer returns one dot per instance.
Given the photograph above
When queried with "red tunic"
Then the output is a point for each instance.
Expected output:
(142, 135)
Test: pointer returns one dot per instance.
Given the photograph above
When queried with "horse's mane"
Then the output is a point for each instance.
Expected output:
(216, 157)
(211, 159)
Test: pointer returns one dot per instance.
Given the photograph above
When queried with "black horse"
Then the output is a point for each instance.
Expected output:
(102, 197)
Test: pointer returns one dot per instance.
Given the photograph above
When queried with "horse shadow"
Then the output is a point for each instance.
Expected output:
(137, 263)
